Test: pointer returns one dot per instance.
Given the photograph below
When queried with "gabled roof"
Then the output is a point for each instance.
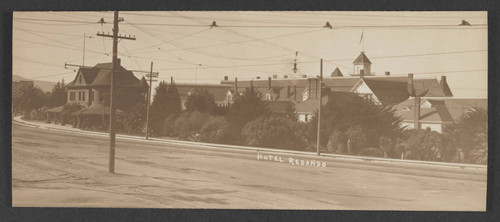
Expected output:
(388, 92)
(442, 110)
(100, 75)
(362, 59)
(88, 75)
(336, 73)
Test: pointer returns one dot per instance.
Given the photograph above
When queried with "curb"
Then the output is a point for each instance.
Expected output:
(258, 149)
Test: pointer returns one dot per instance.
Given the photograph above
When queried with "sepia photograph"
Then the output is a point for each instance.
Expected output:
(288, 110)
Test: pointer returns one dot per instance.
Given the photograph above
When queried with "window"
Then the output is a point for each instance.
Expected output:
(79, 96)
(91, 95)
(83, 96)
(229, 97)
(71, 96)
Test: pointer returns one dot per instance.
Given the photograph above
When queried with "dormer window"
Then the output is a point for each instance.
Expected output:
(229, 97)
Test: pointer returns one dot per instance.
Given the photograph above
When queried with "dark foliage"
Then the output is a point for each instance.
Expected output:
(466, 140)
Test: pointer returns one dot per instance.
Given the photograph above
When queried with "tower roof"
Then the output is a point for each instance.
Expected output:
(362, 59)
(337, 73)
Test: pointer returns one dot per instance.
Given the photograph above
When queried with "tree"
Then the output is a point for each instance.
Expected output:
(58, 95)
(30, 98)
(272, 131)
(166, 101)
(290, 112)
(423, 145)
(201, 101)
(466, 139)
(361, 120)
(246, 108)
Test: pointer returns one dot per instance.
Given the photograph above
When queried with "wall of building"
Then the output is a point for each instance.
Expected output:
(303, 117)
(433, 126)
(79, 96)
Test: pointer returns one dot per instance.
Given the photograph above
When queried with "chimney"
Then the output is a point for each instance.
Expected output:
(171, 80)
(361, 73)
(411, 87)
(285, 76)
(226, 78)
(258, 77)
(275, 76)
(387, 73)
(269, 83)
(295, 92)
(304, 76)
(442, 82)
(236, 86)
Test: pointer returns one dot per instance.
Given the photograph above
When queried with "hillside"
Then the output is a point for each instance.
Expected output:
(43, 85)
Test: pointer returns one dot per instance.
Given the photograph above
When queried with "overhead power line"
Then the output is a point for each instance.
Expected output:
(54, 20)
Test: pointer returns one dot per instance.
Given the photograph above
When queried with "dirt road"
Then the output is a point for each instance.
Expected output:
(64, 169)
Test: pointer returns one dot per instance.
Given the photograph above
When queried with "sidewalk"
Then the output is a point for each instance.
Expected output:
(69, 128)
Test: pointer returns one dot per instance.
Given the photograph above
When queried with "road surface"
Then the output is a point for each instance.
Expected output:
(65, 169)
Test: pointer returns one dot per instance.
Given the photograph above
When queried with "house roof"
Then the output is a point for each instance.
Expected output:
(219, 91)
(56, 109)
(100, 75)
(388, 92)
(310, 106)
(95, 109)
(337, 73)
(441, 109)
(362, 59)
(278, 106)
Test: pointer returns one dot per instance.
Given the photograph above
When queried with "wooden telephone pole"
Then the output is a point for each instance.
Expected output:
(112, 133)
(319, 106)
(151, 75)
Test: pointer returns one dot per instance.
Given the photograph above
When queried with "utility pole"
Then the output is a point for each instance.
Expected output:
(319, 106)
(149, 97)
(84, 37)
(112, 133)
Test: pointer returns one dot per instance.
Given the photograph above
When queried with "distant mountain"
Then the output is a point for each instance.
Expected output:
(46, 86)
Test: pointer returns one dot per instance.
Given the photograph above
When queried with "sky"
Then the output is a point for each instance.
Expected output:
(247, 44)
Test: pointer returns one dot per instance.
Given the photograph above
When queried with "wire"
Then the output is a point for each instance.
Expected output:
(53, 20)
(171, 40)
(56, 33)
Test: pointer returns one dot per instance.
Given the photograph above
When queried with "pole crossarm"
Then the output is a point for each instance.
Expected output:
(82, 66)
(129, 37)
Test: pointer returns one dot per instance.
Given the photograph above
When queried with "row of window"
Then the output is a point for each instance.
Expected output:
(81, 96)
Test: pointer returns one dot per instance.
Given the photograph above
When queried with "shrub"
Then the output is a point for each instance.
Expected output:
(372, 152)
(273, 132)
(189, 124)
(423, 145)
(337, 143)
(215, 130)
